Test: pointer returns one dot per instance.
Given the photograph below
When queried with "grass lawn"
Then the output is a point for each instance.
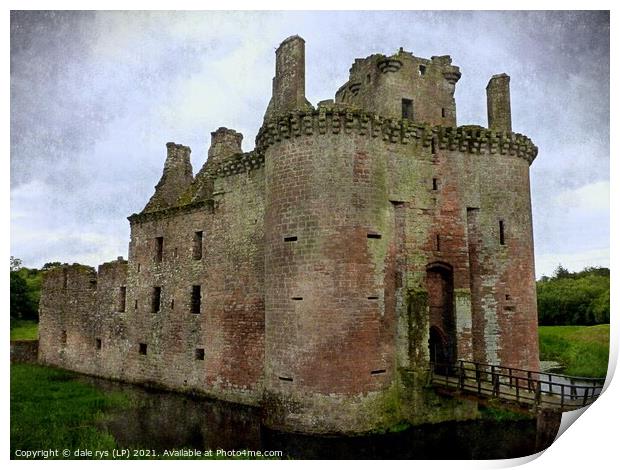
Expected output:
(582, 350)
(51, 410)
(24, 329)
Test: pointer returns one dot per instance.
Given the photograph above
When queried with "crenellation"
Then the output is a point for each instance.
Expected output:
(473, 139)
(322, 274)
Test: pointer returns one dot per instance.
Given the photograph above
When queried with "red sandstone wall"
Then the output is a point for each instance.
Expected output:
(501, 277)
(330, 316)
(229, 326)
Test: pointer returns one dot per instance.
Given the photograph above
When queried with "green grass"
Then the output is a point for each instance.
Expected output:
(24, 330)
(51, 410)
(498, 414)
(582, 350)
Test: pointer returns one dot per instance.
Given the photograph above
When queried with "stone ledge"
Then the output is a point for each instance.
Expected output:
(169, 212)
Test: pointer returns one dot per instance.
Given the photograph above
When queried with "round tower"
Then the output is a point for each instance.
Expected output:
(329, 354)
(329, 360)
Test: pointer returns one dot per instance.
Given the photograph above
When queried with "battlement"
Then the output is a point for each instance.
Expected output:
(473, 139)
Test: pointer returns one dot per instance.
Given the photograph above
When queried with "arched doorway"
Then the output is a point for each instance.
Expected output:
(442, 325)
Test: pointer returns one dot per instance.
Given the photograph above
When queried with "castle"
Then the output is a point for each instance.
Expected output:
(321, 274)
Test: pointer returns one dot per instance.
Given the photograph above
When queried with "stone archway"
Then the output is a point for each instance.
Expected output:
(442, 325)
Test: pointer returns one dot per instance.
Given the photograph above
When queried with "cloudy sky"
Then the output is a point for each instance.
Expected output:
(96, 95)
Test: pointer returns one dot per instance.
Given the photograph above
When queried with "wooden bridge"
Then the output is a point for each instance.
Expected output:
(517, 386)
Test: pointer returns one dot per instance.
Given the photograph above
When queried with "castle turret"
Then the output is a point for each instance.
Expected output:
(289, 83)
(176, 178)
(403, 86)
(498, 103)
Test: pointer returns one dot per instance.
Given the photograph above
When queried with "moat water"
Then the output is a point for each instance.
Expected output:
(164, 421)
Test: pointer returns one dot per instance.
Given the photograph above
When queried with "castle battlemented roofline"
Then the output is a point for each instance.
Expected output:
(467, 138)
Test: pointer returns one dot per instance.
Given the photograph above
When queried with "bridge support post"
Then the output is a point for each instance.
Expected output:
(547, 427)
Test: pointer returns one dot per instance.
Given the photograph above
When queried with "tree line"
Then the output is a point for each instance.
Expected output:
(574, 298)
(26, 289)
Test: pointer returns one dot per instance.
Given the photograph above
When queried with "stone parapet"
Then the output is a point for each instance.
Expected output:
(472, 139)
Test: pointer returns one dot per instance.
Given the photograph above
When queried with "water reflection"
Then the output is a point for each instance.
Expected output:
(162, 420)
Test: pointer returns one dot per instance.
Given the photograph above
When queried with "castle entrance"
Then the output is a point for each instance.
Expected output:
(442, 333)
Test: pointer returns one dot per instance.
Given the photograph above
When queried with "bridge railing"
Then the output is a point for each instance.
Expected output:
(525, 387)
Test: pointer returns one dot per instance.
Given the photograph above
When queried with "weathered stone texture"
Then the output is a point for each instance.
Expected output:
(24, 351)
(321, 273)
(498, 103)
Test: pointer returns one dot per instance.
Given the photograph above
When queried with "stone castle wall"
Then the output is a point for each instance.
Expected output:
(320, 274)
(228, 326)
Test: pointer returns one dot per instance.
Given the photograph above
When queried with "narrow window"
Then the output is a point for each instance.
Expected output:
(435, 184)
(373, 297)
(63, 336)
(159, 249)
(297, 298)
(197, 250)
(286, 379)
(377, 372)
(138, 267)
(135, 304)
(422, 70)
(290, 239)
(508, 297)
(199, 354)
(443, 112)
(122, 298)
(375, 236)
(433, 146)
(502, 240)
(437, 243)
(98, 343)
(142, 349)
(407, 108)
(155, 299)
(368, 78)
(171, 304)
(195, 307)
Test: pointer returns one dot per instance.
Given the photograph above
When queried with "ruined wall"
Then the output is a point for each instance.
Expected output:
(106, 317)
(320, 274)
(380, 84)
(175, 179)
(218, 347)
(67, 311)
